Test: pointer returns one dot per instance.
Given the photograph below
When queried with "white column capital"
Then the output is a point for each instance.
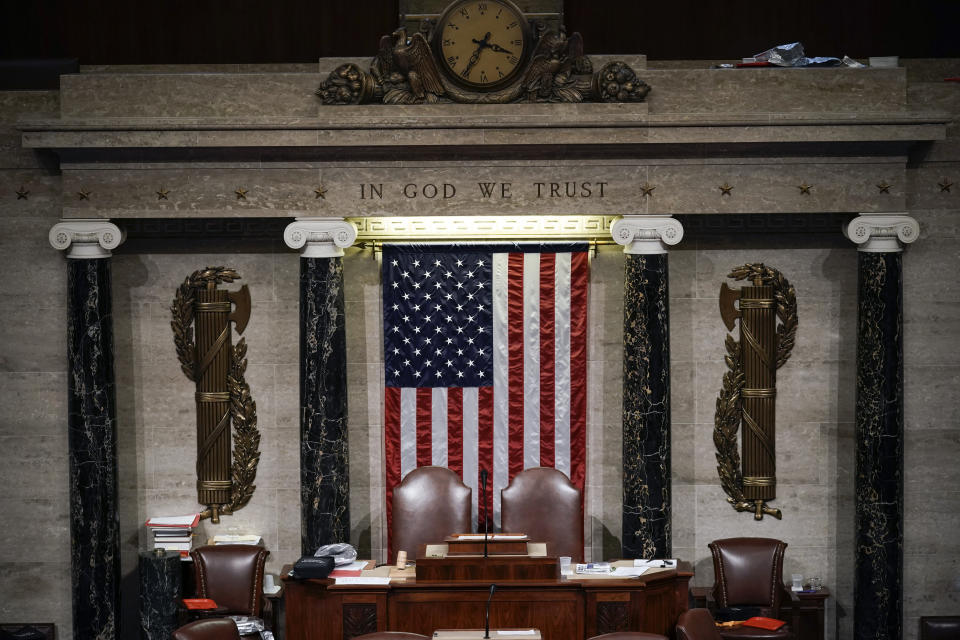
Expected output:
(86, 238)
(646, 234)
(882, 232)
(320, 237)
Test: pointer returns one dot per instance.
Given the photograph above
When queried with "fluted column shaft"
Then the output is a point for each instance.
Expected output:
(878, 528)
(92, 428)
(324, 457)
(646, 385)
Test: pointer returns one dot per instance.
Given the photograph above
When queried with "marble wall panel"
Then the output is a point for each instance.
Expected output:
(776, 90)
(33, 403)
(41, 189)
(771, 188)
(192, 192)
(938, 223)
(934, 186)
(930, 329)
(184, 94)
(931, 395)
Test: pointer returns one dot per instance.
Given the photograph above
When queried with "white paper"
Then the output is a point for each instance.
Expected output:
(509, 536)
(522, 632)
(628, 572)
(356, 565)
(656, 564)
(362, 580)
(172, 521)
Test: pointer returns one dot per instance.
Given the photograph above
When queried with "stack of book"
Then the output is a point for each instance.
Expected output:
(173, 533)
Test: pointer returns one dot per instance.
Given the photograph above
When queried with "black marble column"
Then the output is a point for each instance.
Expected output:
(92, 436)
(161, 588)
(324, 478)
(878, 572)
(646, 408)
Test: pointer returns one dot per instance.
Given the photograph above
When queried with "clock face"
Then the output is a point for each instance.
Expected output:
(481, 44)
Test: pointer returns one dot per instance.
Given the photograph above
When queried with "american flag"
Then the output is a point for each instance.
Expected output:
(485, 362)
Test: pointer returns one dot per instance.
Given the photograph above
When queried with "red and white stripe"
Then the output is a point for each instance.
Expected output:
(534, 414)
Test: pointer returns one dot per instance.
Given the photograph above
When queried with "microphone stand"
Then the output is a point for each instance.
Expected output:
(486, 634)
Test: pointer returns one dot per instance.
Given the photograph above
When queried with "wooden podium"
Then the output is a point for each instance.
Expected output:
(461, 559)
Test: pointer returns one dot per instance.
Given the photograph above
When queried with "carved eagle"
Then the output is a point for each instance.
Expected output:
(413, 58)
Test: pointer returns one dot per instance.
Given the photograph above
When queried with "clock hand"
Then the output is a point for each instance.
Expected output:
(499, 49)
(476, 54)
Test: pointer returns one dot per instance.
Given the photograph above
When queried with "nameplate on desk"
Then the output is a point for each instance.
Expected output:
(477, 634)
(367, 580)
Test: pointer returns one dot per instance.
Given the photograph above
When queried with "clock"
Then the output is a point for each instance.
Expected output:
(482, 45)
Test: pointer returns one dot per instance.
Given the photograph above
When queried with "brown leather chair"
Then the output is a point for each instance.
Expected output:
(748, 581)
(210, 629)
(428, 505)
(542, 503)
(629, 635)
(232, 576)
(697, 624)
(391, 635)
(939, 627)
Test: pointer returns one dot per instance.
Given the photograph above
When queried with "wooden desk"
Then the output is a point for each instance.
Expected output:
(561, 609)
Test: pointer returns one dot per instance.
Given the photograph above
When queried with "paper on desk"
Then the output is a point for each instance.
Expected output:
(518, 632)
(356, 565)
(364, 580)
(656, 564)
(628, 572)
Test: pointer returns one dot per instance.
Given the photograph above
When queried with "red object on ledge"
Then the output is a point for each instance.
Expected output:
(760, 622)
(199, 603)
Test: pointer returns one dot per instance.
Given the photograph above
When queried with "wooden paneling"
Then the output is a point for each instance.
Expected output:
(249, 31)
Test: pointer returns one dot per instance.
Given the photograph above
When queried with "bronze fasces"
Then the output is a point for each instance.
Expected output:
(767, 314)
(202, 317)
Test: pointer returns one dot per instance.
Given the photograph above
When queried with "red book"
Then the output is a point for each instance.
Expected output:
(770, 624)
(344, 573)
(199, 603)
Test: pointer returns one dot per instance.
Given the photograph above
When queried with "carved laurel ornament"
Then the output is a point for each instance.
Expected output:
(729, 407)
(234, 404)
(418, 70)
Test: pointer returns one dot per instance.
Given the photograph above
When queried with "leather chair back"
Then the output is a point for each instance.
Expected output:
(232, 575)
(697, 624)
(939, 627)
(748, 571)
(429, 504)
(542, 503)
(209, 629)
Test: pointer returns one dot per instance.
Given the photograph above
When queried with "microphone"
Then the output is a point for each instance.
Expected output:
(483, 496)
(486, 634)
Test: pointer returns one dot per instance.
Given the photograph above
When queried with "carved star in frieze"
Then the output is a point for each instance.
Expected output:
(944, 186)
(804, 188)
(321, 192)
(83, 194)
(241, 193)
(22, 193)
(725, 189)
(647, 189)
(884, 187)
(162, 194)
